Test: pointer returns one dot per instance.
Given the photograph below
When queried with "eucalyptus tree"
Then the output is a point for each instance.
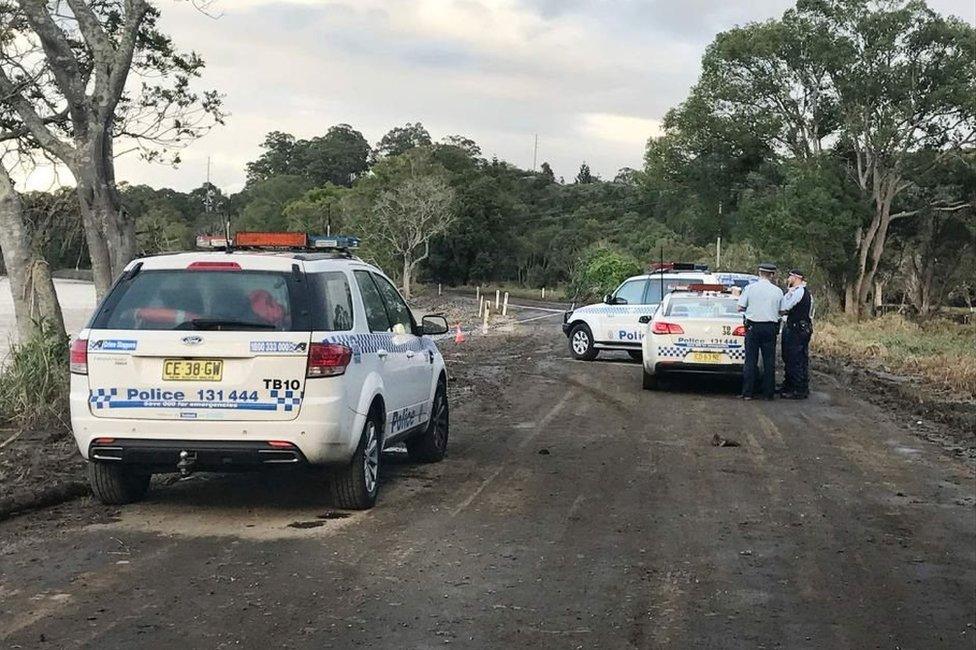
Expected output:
(84, 81)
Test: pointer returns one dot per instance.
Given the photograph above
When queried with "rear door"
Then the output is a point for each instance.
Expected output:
(208, 342)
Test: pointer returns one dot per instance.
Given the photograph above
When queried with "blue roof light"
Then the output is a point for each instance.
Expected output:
(340, 242)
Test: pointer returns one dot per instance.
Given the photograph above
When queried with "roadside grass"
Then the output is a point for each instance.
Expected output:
(940, 351)
(34, 383)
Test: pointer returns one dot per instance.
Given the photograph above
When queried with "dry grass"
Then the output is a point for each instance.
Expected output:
(941, 352)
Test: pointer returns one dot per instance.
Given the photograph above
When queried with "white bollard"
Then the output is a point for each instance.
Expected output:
(543, 293)
(438, 288)
(477, 293)
(505, 305)
(484, 327)
(498, 296)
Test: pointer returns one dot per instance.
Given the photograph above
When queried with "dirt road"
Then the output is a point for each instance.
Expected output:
(574, 511)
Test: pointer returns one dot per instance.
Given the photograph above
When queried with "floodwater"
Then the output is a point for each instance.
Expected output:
(77, 299)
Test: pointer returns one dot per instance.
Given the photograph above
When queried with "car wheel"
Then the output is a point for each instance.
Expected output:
(636, 355)
(649, 381)
(354, 487)
(431, 445)
(115, 485)
(581, 343)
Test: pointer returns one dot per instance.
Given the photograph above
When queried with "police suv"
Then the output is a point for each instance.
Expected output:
(697, 329)
(281, 349)
(613, 325)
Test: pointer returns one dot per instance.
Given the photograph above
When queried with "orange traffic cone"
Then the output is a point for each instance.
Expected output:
(459, 337)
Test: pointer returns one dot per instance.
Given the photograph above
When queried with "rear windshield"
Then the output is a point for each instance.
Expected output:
(202, 300)
(670, 284)
(702, 307)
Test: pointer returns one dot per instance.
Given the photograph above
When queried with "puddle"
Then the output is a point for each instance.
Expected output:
(306, 524)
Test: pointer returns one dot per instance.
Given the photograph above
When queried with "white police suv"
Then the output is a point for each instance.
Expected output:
(694, 330)
(613, 325)
(282, 349)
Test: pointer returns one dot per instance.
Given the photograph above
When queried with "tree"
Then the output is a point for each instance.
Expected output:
(546, 171)
(877, 81)
(317, 211)
(278, 158)
(339, 157)
(29, 274)
(584, 175)
(64, 72)
(401, 139)
(265, 201)
(408, 201)
(467, 145)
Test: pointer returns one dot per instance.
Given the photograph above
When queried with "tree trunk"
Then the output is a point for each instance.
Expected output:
(872, 245)
(407, 268)
(850, 303)
(31, 285)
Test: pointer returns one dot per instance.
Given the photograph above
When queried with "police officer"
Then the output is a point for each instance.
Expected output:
(761, 301)
(798, 306)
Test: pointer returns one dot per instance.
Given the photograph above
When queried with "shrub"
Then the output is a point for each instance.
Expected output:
(34, 381)
(599, 272)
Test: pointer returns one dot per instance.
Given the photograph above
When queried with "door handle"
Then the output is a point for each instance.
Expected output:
(410, 354)
(382, 354)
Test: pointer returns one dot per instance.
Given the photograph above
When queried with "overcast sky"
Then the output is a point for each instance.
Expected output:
(592, 78)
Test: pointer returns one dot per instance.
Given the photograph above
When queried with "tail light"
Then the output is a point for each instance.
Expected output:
(78, 357)
(739, 331)
(661, 327)
(327, 359)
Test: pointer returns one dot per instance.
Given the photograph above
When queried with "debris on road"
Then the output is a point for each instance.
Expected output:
(719, 441)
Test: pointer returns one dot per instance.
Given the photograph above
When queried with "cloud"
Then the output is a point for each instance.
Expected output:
(592, 78)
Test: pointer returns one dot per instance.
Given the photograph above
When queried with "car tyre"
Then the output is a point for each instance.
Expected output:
(636, 355)
(355, 486)
(116, 485)
(581, 343)
(649, 381)
(431, 445)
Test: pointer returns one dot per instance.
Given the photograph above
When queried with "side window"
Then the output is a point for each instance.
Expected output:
(332, 308)
(376, 315)
(395, 306)
(632, 292)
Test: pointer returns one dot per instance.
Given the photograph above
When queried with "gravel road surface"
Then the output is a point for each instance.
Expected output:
(574, 511)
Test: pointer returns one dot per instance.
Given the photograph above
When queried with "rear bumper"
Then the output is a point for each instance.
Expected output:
(198, 455)
(703, 368)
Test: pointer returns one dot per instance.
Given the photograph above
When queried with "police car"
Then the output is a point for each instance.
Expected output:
(697, 329)
(282, 349)
(613, 325)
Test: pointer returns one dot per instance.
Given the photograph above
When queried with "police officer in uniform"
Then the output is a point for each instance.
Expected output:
(761, 302)
(798, 307)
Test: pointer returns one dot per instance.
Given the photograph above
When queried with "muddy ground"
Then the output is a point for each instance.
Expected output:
(574, 511)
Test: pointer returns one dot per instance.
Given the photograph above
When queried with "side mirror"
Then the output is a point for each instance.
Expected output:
(608, 299)
(644, 320)
(433, 325)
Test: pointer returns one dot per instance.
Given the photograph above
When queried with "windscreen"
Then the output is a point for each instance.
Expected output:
(670, 284)
(702, 307)
(188, 300)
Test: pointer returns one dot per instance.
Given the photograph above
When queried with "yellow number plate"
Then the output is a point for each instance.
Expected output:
(706, 357)
(193, 369)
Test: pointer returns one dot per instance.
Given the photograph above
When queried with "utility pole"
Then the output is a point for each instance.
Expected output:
(535, 151)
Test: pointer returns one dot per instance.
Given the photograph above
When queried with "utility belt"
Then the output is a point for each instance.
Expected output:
(753, 323)
(802, 326)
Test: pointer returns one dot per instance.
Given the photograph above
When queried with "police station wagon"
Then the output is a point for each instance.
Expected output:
(613, 325)
(283, 349)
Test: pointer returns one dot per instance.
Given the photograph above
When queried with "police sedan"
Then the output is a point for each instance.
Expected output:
(698, 330)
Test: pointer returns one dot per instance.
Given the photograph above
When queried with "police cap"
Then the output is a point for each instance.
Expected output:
(798, 273)
(767, 267)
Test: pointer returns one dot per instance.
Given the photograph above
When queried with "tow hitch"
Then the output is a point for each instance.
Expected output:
(187, 460)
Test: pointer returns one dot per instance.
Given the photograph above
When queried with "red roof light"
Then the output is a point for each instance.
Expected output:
(214, 266)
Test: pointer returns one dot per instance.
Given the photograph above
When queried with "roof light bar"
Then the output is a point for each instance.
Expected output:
(339, 242)
(271, 240)
(211, 241)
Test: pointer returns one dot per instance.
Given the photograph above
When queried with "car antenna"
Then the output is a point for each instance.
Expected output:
(230, 242)
(662, 273)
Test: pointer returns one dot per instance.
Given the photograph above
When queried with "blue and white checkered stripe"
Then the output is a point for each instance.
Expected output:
(616, 309)
(101, 397)
(672, 351)
(737, 354)
(287, 400)
(371, 343)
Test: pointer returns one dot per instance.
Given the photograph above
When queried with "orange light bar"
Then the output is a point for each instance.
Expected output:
(707, 287)
(271, 239)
